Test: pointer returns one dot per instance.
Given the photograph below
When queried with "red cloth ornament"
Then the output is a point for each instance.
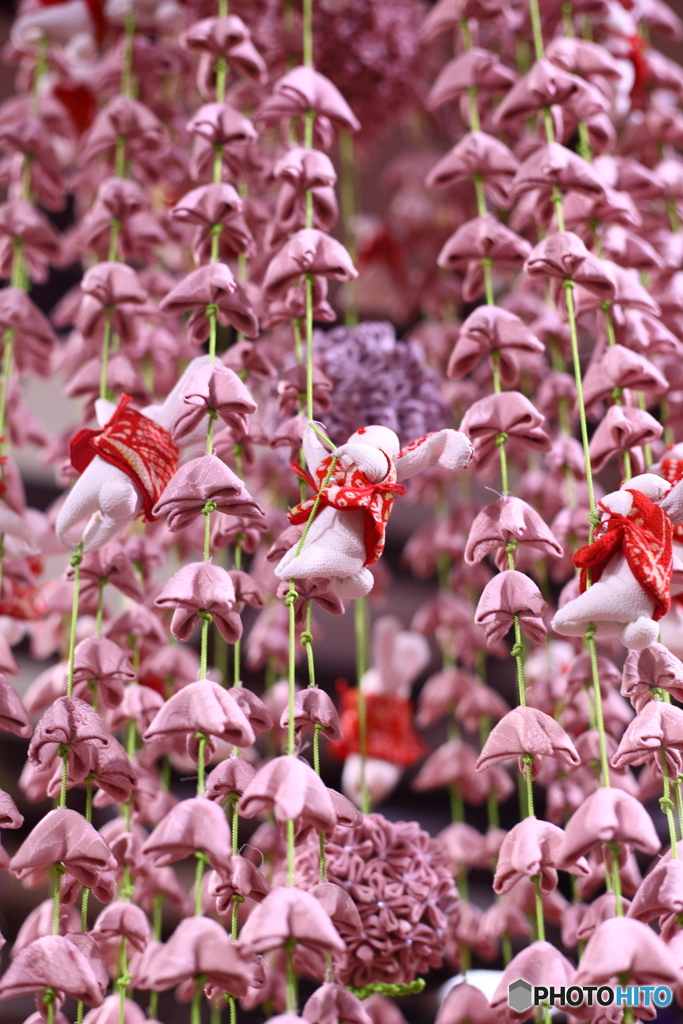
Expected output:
(389, 728)
(645, 536)
(133, 443)
(346, 493)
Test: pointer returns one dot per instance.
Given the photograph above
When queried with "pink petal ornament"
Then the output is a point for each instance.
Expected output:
(530, 848)
(209, 205)
(624, 947)
(497, 333)
(122, 921)
(508, 521)
(34, 337)
(202, 948)
(213, 387)
(564, 256)
(507, 595)
(332, 1003)
(657, 724)
(114, 287)
(227, 37)
(547, 85)
(480, 154)
(655, 667)
(314, 708)
(139, 704)
(64, 837)
(465, 1004)
(192, 825)
(539, 964)
(211, 287)
(237, 877)
(123, 117)
(109, 564)
(22, 224)
(201, 587)
(453, 762)
(475, 68)
(290, 914)
(72, 722)
(622, 428)
(509, 413)
(339, 907)
(552, 166)
(101, 663)
(219, 125)
(526, 730)
(13, 716)
(198, 482)
(290, 788)
(440, 694)
(307, 252)
(607, 816)
(483, 238)
(660, 894)
(619, 367)
(203, 707)
(108, 1012)
(304, 89)
(56, 962)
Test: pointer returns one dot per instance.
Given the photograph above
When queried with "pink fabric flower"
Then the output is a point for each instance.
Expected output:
(465, 1003)
(619, 367)
(304, 89)
(217, 388)
(539, 964)
(210, 205)
(192, 825)
(526, 730)
(121, 921)
(201, 587)
(480, 154)
(290, 788)
(103, 664)
(237, 877)
(219, 125)
(73, 722)
(113, 290)
(332, 1003)
(289, 914)
(21, 222)
(202, 480)
(475, 68)
(452, 762)
(657, 724)
(509, 413)
(509, 520)
(626, 947)
(529, 849)
(497, 333)
(653, 667)
(13, 716)
(212, 287)
(607, 816)
(203, 707)
(34, 338)
(483, 238)
(64, 837)
(65, 964)
(226, 37)
(622, 429)
(313, 707)
(108, 564)
(307, 252)
(507, 595)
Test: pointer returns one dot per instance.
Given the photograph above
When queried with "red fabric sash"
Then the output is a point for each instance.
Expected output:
(134, 444)
(389, 729)
(644, 536)
(348, 491)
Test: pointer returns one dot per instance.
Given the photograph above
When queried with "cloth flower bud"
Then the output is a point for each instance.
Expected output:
(483, 238)
(211, 287)
(339, 907)
(109, 564)
(539, 964)
(307, 589)
(624, 947)
(475, 68)
(622, 429)
(140, 703)
(580, 674)
(201, 587)
(309, 252)
(201, 947)
(465, 1004)
(290, 788)
(564, 256)
(303, 89)
(229, 779)
(238, 877)
(314, 708)
(546, 85)
(219, 126)
(655, 667)
(227, 37)
(34, 337)
(440, 695)
(607, 816)
(526, 730)
(289, 914)
(203, 707)
(628, 292)
(477, 154)
(110, 769)
(72, 722)
(463, 845)
(13, 716)
(199, 481)
(101, 663)
(110, 290)
(479, 703)
(582, 57)
(121, 921)
(551, 167)
(509, 413)
(58, 963)
(210, 205)
(39, 923)
(530, 849)
(22, 224)
(660, 895)
(253, 707)
(453, 762)
(497, 333)
(108, 1012)
(657, 725)
(509, 521)
(123, 118)
(213, 387)
(64, 837)
(194, 825)
(292, 384)
(619, 367)
(332, 1003)
(507, 595)
(503, 919)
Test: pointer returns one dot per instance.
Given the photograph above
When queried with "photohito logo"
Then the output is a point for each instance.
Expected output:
(522, 995)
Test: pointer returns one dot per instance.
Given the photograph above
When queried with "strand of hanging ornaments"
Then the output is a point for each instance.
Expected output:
(510, 194)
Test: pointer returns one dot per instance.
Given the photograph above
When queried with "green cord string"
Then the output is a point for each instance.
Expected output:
(385, 988)
(106, 346)
(667, 804)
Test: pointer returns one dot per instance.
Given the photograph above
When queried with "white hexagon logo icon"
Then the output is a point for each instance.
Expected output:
(520, 996)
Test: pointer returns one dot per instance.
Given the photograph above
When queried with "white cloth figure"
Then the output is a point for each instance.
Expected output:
(619, 603)
(109, 497)
(398, 657)
(347, 533)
